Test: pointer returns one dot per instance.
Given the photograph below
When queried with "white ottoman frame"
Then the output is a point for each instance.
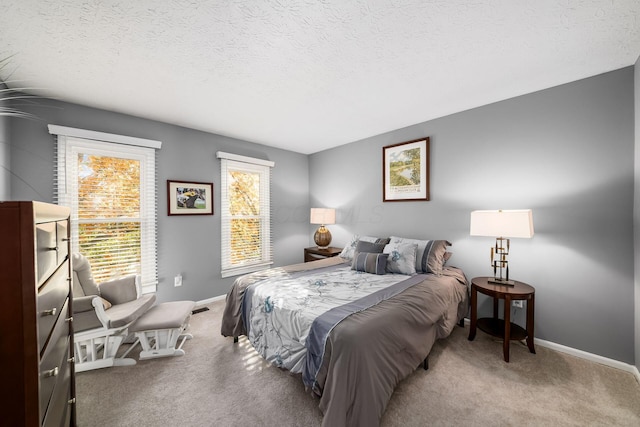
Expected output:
(161, 341)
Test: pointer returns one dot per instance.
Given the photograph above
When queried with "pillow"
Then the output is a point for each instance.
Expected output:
(429, 255)
(402, 257)
(106, 304)
(374, 248)
(349, 250)
(374, 263)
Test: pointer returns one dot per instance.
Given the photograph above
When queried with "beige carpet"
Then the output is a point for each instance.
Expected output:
(218, 383)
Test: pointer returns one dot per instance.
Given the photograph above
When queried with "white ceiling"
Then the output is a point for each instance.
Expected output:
(307, 75)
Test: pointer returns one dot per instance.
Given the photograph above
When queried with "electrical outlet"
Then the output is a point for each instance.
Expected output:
(177, 281)
(518, 303)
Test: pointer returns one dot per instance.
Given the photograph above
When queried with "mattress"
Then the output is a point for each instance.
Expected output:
(351, 351)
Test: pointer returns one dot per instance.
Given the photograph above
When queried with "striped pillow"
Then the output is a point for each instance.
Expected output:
(430, 256)
(370, 262)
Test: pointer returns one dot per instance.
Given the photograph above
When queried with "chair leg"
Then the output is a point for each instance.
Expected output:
(93, 352)
(162, 342)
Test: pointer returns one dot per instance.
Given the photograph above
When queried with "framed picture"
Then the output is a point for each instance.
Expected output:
(405, 171)
(189, 198)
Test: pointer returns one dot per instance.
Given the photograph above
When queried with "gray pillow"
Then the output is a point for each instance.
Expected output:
(364, 246)
(374, 263)
(430, 256)
(349, 250)
(402, 257)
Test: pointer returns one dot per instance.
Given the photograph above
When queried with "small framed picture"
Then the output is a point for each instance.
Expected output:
(189, 198)
(405, 171)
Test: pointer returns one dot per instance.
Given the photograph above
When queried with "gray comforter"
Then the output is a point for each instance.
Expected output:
(370, 352)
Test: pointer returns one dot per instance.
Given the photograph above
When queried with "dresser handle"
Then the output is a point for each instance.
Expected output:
(52, 249)
(69, 319)
(72, 401)
(65, 239)
(51, 373)
(51, 312)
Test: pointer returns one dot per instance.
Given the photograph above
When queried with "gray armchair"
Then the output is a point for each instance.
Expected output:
(102, 314)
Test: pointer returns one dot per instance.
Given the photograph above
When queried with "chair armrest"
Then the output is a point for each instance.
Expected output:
(119, 291)
(82, 304)
(85, 303)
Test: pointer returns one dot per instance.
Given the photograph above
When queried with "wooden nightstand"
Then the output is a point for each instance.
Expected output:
(314, 253)
(503, 328)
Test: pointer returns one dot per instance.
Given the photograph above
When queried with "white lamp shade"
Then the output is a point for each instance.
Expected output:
(323, 216)
(502, 223)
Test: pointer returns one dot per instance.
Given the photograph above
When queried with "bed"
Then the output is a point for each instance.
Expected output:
(353, 331)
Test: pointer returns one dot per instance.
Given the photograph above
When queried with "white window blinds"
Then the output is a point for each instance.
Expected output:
(245, 186)
(109, 182)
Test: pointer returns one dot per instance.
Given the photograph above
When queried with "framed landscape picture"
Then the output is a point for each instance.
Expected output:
(189, 198)
(405, 171)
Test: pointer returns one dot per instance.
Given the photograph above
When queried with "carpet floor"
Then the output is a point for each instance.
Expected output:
(218, 383)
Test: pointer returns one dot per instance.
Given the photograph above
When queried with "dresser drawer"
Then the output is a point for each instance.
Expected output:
(59, 409)
(55, 358)
(62, 240)
(51, 297)
(46, 253)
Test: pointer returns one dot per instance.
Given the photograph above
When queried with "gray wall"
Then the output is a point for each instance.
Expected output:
(5, 153)
(5, 158)
(189, 245)
(567, 153)
(637, 212)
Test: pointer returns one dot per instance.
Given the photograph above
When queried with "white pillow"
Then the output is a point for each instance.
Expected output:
(402, 257)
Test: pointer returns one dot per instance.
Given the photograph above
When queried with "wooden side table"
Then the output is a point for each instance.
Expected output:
(314, 253)
(503, 328)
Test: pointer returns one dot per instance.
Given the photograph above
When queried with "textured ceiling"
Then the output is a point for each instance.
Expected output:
(307, 75)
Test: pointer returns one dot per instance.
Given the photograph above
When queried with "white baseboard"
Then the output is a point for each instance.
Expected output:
(589, 356)
(585, 355)
(210, 300)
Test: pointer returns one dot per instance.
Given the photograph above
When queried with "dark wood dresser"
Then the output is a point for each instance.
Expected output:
(36, 329)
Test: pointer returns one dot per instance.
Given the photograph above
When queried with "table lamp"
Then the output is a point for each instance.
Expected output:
(502, 224)
(322, 216)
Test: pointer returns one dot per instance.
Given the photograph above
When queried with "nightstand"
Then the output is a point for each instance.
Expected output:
(503, 328)
(314, 253)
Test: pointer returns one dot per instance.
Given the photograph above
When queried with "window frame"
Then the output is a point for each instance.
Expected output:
(70, 143)
(232, 162)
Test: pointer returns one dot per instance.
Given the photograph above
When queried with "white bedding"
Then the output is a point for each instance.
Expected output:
(283, 308)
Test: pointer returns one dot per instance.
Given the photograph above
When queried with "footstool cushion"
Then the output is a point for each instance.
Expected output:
(167, 315)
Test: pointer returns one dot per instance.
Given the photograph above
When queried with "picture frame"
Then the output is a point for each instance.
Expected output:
(405, 171)
(189, 198)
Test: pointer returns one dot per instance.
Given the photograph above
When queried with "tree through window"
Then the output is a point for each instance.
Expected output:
(109, 207)
(111, 190)
(245, 214)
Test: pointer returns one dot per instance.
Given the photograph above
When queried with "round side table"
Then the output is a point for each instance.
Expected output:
(503, 328)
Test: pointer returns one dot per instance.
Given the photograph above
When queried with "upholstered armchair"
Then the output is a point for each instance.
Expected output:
(101, 315)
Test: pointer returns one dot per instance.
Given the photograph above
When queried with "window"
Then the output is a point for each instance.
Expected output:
(245, 214)
(110, 186)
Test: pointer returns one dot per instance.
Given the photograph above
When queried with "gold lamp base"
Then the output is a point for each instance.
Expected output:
(322, 237)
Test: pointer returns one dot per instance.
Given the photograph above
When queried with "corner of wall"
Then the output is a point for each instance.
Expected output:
(636, 211)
